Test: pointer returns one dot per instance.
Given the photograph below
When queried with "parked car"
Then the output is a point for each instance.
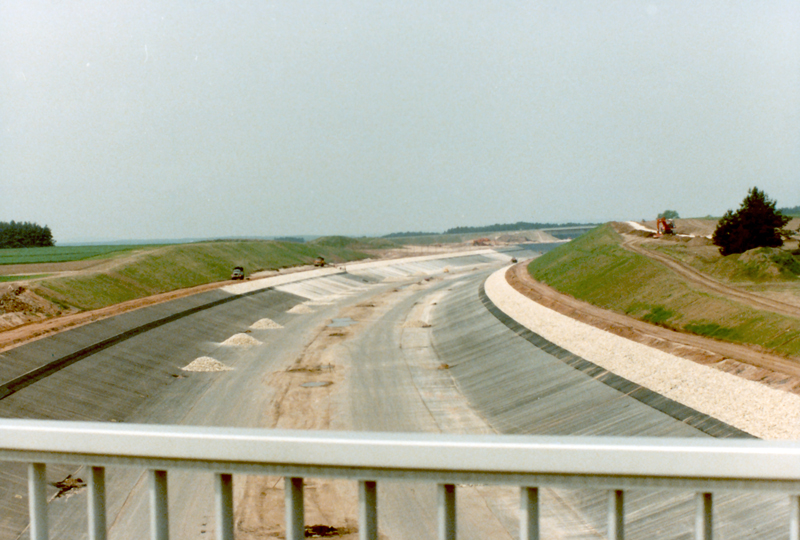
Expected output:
(238, 273)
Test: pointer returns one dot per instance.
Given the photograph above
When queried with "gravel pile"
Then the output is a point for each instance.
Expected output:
(265, 324)
(761, 411)
(206, 363)
(301, 309)
(241, 340)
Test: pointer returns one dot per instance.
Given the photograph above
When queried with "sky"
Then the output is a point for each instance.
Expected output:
(152, 119)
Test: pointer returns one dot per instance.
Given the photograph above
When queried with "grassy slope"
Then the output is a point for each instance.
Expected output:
(763, 266)
(596, 269)
(184, 265)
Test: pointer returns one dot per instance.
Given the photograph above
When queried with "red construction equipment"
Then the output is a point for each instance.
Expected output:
(665, 226)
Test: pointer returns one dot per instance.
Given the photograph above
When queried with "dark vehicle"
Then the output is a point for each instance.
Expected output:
(238, 273)
(319, 261)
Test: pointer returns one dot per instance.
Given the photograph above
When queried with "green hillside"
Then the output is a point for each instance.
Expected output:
(595, 268)
(183, 265)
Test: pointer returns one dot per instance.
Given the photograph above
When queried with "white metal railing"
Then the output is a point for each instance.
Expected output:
(615, 464)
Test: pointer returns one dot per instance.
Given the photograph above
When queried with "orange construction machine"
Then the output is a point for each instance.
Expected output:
(665, 226)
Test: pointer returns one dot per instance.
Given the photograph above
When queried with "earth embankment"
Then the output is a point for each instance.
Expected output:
(670, 306)
(75, 292)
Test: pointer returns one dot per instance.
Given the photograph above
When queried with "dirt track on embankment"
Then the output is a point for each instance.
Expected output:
(772, 370)
(633, 243)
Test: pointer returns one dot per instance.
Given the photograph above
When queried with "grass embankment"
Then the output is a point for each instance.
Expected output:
(179, 266)
(596, 269)
(762, 268)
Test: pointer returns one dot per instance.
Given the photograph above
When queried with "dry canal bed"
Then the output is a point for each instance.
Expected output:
(423, 353)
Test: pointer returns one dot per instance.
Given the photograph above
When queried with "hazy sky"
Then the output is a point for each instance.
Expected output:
(169, 119)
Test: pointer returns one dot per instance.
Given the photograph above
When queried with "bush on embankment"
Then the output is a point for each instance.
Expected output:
(595, 268)
(179, 266)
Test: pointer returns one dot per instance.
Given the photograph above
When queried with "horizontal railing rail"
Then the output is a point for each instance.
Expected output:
(530, 462)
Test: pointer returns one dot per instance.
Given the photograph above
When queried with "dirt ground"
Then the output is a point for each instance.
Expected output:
(331, 509)
(704, 227)
(748, 362)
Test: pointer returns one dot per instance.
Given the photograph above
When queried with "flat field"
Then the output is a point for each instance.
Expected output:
(56, 254)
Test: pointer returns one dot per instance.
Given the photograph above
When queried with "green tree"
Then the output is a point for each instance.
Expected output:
(755, 224)
(15, 234)
(669, 214)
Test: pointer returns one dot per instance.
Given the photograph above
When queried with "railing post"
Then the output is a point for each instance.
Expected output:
(529, 514)
(295, 519)
(37, 492)
(97, 503)
(704, 517)
(447, 511)
(223, 498)
(159, 519)
(367, 510)
(794, 517)
(616, 515)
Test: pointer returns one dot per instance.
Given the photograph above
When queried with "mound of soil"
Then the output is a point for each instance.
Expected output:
(19, 305)
(698, 241)
(770, 262)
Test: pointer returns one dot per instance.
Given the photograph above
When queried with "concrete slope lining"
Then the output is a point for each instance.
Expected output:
(322, 288)
(15, 382)
(746, 405)
(528, 387)
(520, 388)
(698, 420)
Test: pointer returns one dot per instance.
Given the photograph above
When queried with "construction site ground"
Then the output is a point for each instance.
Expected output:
(745, 361)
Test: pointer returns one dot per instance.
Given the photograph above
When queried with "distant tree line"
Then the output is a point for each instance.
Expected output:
(793, 211)
(295, 239)
(405, 234)
(518, 226)
(24, 234)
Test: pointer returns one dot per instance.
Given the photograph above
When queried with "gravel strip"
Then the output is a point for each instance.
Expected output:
(761, 411)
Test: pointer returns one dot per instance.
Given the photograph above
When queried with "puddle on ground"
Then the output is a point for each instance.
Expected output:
(316, 384)
(338, 323)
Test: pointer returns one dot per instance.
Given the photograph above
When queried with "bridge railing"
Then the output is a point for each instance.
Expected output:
(615, 464)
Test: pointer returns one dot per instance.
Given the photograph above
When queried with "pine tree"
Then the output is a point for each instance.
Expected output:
(755, 224)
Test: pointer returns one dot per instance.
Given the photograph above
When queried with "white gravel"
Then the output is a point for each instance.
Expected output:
(241, 340)
(761, 411)
(265, 324)
(206, 363)
(301, 309)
